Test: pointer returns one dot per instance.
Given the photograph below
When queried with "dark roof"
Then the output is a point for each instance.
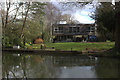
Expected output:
(73, 24)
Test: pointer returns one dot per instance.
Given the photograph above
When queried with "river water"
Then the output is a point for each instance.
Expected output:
(17, 65)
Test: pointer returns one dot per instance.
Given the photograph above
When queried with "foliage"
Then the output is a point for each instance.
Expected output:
(38, 41)
(11, 33)
(17, 41)
(37, 9)
(105, 19)
(5, 42)
(32, 29)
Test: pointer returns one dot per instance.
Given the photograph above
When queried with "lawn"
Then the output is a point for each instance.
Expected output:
(79, 46)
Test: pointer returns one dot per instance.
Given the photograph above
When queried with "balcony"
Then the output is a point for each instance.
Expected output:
(68, 32)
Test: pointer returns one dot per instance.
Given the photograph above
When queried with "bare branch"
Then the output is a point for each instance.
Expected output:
(25, 20)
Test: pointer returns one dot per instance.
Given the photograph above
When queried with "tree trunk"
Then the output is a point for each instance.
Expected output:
(7, 13)
(117, 26)
(15, 15)
(25, 20)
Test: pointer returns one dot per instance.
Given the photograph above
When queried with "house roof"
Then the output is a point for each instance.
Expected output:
(72, 24)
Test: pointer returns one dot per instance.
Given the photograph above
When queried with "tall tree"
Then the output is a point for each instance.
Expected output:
(104, 16)
(108, 17)
(9, 12)
(117, 26)
(38, 14)
(34, 11)
(53, 15)
(26, 15)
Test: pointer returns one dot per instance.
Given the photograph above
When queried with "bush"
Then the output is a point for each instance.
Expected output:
(17, 41)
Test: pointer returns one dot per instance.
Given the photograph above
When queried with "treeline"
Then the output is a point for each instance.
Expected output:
(22, 22)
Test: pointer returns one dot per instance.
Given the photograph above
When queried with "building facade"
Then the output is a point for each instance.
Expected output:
(72, 32)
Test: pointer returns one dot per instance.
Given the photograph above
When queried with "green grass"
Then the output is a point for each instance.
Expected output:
(78, 46)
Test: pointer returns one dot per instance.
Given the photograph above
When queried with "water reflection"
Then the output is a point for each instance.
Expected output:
(44, 66)
(108, 68)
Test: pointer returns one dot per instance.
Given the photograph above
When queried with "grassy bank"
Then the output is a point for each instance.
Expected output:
(77, 46)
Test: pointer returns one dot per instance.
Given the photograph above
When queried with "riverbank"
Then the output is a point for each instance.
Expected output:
(41, 51)
(68, 48)
(87, 48)
(59, 53)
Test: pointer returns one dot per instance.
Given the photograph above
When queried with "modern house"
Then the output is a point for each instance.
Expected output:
(72, 32)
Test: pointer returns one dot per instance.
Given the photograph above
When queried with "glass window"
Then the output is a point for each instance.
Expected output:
(70, 29)
(78, 29)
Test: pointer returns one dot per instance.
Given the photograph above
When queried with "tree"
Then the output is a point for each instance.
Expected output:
(109, 17)
(20, 26)
(69, 19)
(52, 15)
(26, 15)
(104, 16)
(37, 10)
(117, 26)
(6, 12)
(9, 11)
(38, 14)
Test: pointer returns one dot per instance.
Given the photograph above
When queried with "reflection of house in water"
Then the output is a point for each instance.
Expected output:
(72, 32)
(73, 61)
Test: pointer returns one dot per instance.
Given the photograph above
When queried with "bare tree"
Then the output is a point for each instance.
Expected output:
(9, 11)
(2, 13)
(53, 15)
(8, 4)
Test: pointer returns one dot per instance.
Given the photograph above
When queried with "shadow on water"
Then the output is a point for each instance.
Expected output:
(46, 66)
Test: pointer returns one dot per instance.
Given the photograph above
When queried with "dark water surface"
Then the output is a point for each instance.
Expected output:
(46, 66)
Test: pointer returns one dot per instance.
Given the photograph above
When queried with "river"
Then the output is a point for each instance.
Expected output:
(18, 65)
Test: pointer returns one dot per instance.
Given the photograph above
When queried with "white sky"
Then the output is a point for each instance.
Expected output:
(81, 14)
(83, 17)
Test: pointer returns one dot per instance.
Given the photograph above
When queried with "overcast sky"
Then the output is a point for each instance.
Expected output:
(82, 14)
